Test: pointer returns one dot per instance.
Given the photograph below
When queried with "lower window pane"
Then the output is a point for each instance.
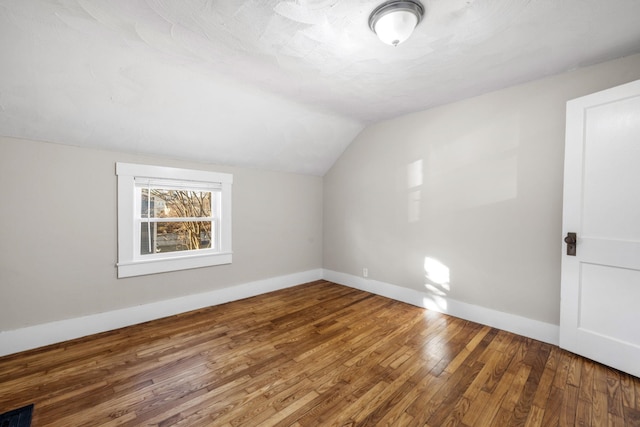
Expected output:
(159, 237)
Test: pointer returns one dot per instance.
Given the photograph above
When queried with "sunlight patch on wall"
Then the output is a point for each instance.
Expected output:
(414, 181)
(414, 174)
(413, 206)
(437, 276)
(478, 168)
(437, 272)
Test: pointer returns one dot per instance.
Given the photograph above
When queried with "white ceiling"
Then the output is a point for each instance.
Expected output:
(283, 85)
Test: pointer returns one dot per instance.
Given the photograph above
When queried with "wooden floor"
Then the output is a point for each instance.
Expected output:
(316, 354)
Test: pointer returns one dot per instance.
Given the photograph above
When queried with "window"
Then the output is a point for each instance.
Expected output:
(172, 219)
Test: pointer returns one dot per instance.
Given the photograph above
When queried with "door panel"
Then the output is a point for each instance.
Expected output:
(600, 297)
(610, 170)
(605, 290)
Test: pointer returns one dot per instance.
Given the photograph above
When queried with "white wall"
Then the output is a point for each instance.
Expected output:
(475, 185)
(58, 235)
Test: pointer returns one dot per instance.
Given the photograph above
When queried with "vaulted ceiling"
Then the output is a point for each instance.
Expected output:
(275, 84)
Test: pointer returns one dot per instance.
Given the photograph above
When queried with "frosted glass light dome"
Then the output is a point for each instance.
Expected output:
(394, 21)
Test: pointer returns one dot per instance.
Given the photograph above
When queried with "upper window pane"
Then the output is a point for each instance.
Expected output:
(165, 203)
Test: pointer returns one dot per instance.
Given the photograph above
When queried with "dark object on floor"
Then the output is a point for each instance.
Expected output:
(17, 418)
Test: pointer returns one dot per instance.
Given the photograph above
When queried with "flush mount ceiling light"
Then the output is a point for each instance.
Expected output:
(394, 21)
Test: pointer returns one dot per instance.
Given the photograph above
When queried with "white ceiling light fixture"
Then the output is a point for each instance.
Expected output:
(394, 21)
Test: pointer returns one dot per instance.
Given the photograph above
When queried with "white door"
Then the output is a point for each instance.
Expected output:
(600, 299)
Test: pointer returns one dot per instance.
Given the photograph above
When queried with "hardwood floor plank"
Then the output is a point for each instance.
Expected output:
(599, 414)
(286, 411)
(467, 350)
(451, 393)
(553, 407)
(632, 417)
(575, 370)
(614, 393)
(583, 413)
(399, 383)
(536, 359)
(418, 385)
(628, 391)
(484, 413)
(546, 381)
(585, 391)
(517, 387)
(535, 418)
(562, 372)
(569, 406)
(318, 354)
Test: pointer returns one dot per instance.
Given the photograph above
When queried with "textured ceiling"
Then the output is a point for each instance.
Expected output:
(282, 85)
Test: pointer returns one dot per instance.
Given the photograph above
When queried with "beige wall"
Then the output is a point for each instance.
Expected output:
(476, 185)
(58, 235)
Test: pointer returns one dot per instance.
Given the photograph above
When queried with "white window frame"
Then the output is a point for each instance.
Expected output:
(130, 262)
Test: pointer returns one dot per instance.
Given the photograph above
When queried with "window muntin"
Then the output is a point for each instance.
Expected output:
(172, 219)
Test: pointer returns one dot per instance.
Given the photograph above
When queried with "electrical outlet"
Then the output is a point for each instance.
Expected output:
(365, 272)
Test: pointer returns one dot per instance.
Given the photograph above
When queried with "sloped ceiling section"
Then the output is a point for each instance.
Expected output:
(70, 77)
(283, 85)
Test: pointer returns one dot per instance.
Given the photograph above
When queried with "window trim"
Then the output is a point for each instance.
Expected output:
(129, 262)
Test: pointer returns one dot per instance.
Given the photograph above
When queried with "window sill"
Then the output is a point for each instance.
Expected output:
(163, 265)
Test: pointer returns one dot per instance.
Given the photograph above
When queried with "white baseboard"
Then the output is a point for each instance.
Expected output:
(530, 328)
(36, 336)
(31, 337)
